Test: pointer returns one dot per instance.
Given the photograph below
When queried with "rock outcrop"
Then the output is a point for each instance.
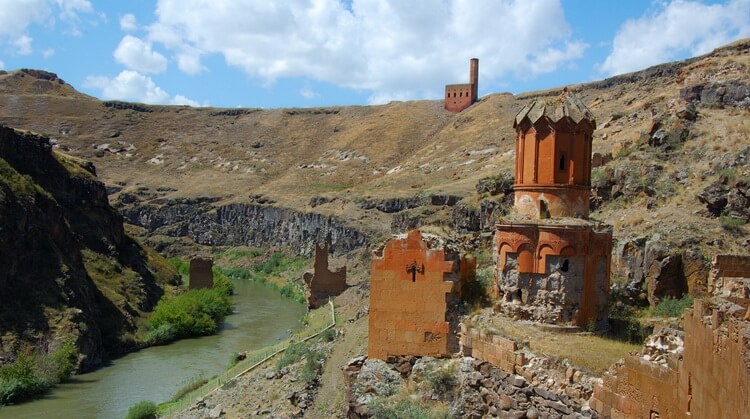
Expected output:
(239, 224)
(69, 270)
(654, 270)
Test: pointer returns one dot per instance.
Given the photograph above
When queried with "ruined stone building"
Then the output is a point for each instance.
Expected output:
(460, 96)
(410, 288)
(201, 273)
(322, 282)
(552, 262)
(702, 371)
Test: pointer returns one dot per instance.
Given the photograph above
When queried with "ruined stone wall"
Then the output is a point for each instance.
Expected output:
(711, 380)
(734, 266)
(507, 355)
(715, 374)
(495, 349)
(201, 273)
(408, 292)
(322, 282)
(553, 274)
(637, 389)
(729, 275)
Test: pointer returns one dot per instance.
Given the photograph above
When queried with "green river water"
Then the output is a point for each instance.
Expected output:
(261, 317)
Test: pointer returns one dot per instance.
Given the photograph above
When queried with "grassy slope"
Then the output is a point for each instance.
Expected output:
(291, 155)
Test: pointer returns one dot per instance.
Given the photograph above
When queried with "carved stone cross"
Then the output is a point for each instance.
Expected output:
(413, 268)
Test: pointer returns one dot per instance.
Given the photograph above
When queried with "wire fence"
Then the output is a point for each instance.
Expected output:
(253, 360)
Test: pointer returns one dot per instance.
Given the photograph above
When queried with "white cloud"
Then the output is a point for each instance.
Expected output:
(678, 27)
(23, 45)
(47, 53)
(138, 55)
(189, 61)
(133, 86)
(2, 65)
(128, 22)
(392, 48)
(182, 100)
(17, 15)
(128, 85)
(308, 93)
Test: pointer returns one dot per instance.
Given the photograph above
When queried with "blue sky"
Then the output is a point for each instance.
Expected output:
(253, 53)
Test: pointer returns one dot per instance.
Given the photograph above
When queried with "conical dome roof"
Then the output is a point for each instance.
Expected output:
(565, 105)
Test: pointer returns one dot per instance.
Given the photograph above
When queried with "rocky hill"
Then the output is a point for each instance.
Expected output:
(671, 149)
(70, 271)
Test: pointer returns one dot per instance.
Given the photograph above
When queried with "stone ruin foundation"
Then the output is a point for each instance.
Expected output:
(322, 282)
(201, 273)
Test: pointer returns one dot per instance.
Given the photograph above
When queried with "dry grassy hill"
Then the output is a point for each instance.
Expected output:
(406, 149)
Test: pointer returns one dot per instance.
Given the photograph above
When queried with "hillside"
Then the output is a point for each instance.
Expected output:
(345, 165)
(70, 271)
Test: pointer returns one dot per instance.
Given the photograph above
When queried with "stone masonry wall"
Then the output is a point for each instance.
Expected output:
(201, 273)
(734, 266)
(408, 291)
(711, 379)
(322, 282)
(495, 349)
(507, 355)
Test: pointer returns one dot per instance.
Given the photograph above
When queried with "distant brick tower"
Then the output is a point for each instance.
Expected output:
(552, 262)
(460, 96)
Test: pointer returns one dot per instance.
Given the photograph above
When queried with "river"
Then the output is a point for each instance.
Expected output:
(261, 317)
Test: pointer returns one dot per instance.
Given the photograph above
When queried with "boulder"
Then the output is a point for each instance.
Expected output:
(663, 274)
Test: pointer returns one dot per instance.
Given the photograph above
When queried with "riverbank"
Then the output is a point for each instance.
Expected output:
(261, 317)
(309, 343)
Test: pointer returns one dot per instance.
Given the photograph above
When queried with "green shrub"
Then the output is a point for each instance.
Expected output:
(142, 410)
(59, 364)
(293, 354)
(270, 265)
(598, 177)
(222, 283)
(328, 335)
(672, 307)
(234, 254)
(235, 272)
(19, 381)
(293, 292)
(161, 335)
(311, 370)
(182, 266)
(191, 385)
(402, 408)
(442, 380)
(731, 223)
(194, 313)
(31, 375)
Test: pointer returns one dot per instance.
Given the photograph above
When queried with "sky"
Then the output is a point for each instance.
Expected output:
(301, 53)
